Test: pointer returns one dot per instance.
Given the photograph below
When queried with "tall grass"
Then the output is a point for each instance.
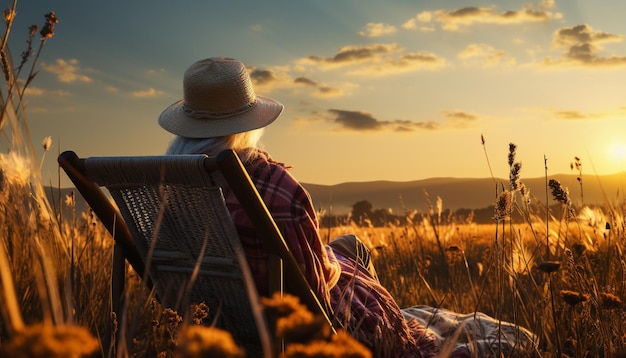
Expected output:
(560, 273)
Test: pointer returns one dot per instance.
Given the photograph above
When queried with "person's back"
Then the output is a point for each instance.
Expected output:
(291, 208)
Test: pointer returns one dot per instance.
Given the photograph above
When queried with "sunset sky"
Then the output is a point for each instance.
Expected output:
(373, 90)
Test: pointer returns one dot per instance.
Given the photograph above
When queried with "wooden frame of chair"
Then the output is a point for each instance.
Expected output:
(233, 171)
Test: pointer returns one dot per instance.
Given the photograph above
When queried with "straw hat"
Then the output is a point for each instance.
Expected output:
(218, 100)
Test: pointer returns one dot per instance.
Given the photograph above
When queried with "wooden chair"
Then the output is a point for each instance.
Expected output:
(172, 226)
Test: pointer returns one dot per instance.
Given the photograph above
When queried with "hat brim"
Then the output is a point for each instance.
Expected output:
(175, 120)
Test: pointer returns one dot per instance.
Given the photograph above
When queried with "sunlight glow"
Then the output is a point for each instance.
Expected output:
(618, 151)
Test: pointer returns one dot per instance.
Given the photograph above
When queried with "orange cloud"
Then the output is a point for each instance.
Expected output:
(485, 56)
(582, 46)
(148, 93)
(377, 30)
(67, 71)
(468, 16)
(376, 59)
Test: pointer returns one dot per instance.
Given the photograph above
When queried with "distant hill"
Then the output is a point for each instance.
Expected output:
(456, 193)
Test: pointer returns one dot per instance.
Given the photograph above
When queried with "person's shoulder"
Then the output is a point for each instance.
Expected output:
(259, 157)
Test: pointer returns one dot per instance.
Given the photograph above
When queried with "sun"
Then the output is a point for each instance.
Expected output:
(618, 151)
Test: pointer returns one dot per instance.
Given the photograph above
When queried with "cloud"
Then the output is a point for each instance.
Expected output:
(305, 81)
(377, 30)
(148, 93)
(156, 71)
(269, 79)
(464, 17)
(582, 46)
(376, 59)
(364, 121)
(485, 56)
(321, 90)
(262, 77)
(37, 91)
(67, 71)
(350, 55)
(360, 121)
(582, 34)
(460, 119)
(266, 80)
(355, 120)
(34, 91)
(257, 28)
(574, 115)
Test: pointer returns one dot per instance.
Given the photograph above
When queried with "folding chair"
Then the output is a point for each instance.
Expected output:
(174, 229)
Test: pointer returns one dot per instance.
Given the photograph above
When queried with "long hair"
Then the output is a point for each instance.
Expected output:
(244, 144)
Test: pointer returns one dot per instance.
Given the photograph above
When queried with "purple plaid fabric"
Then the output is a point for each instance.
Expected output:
(294, 215)
(358, 301)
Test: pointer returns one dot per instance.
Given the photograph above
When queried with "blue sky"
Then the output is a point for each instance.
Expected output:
(394, 90)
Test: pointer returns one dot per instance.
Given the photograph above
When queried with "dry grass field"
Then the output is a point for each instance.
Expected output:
(560, 273)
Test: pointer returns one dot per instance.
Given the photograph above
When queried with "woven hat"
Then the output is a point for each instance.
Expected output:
(218, 100)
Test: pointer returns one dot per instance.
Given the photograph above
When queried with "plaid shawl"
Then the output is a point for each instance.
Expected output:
(359, 302)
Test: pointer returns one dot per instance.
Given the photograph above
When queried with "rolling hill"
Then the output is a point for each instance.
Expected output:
(456, 193)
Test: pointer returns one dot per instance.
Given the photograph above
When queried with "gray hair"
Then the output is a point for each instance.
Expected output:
(241, 143)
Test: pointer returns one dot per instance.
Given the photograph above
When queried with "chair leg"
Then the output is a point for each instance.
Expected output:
(276, 275)
(276, 283)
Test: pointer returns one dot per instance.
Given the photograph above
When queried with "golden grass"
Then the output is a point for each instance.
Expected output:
(561, 274)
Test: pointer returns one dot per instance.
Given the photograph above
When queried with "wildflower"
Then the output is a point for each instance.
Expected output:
(549, 266)
(559, 193)
(200, 312)
(573, 298)
(16, 169)
(43, 340)
(525, 193)
(503, 206)
(514, 176)
(172, 319)
(46, 143)
(9, 15)
(48, 28)
(293, 321)
(610, 301)
(512, 150)
(32, 30)
(200, 341)
(578, 163)
(342, 345)
(70, 199)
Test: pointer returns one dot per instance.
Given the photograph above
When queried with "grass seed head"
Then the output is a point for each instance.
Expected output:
(549, 266)
(610, 301)
(559, 193)
(573, 298)
(503, 206)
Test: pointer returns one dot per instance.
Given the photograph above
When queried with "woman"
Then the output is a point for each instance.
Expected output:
(220, 110)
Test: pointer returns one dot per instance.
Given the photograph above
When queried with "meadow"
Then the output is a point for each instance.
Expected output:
(559, 271)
